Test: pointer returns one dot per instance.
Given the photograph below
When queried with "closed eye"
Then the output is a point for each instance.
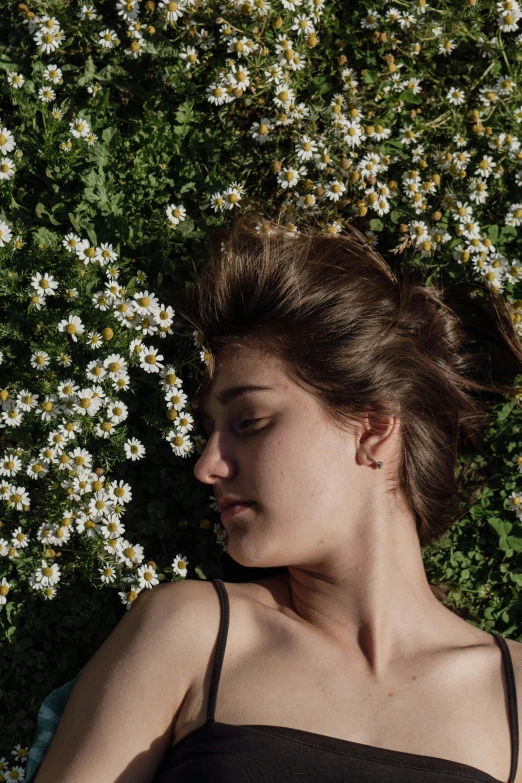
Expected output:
(246, 422)
(242, 425)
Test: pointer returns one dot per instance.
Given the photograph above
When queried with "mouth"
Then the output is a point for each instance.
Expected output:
(235, 508)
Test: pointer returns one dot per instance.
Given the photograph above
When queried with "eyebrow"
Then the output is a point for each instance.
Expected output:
(227, 395)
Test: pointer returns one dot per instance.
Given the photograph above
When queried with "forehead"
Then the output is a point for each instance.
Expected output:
(240, 370)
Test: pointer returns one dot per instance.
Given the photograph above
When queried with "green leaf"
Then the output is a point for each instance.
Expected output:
(408, 96)
(88, 73)
(395, 216)
(376, 224)
(493, 233)
(370, 77)
(500, 526)
(507, 234)
(74, 222)
(515, 543)
(322, 84)
(185, 113)
(506, 409)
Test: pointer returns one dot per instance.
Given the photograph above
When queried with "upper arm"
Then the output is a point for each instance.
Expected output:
(117, 723)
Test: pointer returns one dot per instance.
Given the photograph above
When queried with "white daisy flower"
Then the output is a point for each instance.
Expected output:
(71, 242)
(260, 131)
(190, 55)
(306, 148)
(150, 360)
(127, 598)
(334, 190)
(72, 326)
(108, 38)
(7, 170)
(176, 399)
(88, 12)
(48, 41)
(176, 213)
(446, 46)
(26, 400)
(53, 74)
(147, 576)
(5, 233)
(94, 340)
(79, 127)
(231, 197)
(10, 464)
(216, 94)
(145, 303)
(86, 252)
(283, 96)
(173, 10)
(16, 80)
(134, 449)
(180, 443)
(105, 254)
(486, 166)
(128, 553)
(40, 359)
(289, 176)
(19, 539)
(514, 215)
(7, 142)
(117, 411)
(115, 364)
(217, 202)
(508, 21)
(47, 575)
(456, 96)
(179, 565)
(4, 590)
(45, 284)
(120, 492)
(107, 574)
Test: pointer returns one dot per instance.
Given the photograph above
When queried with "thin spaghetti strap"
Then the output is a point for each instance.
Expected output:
(220, 652)
(512, 698)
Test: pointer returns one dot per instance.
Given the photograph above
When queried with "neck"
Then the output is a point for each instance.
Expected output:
(373, 598)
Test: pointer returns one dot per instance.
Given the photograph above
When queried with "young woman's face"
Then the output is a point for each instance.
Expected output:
(275, 447)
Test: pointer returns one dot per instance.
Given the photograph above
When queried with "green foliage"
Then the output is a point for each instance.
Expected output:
(138, 151)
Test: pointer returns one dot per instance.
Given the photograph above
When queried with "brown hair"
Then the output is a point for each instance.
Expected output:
(362, 341)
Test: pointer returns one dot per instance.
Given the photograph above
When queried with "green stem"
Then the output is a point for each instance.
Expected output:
(502, 50)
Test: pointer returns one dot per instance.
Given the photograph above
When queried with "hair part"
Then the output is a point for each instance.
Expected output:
(364, 342)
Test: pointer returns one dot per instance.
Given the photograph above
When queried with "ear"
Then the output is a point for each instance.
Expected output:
(376, 437)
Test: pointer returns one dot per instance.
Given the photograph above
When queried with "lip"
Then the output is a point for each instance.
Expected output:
(236, 508)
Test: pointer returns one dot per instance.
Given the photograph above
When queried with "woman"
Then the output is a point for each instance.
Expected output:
(344, 450)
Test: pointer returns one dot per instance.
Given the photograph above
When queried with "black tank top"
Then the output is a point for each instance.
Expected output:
(226, 753)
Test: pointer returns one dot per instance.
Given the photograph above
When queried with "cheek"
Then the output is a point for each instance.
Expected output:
(300, 473)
